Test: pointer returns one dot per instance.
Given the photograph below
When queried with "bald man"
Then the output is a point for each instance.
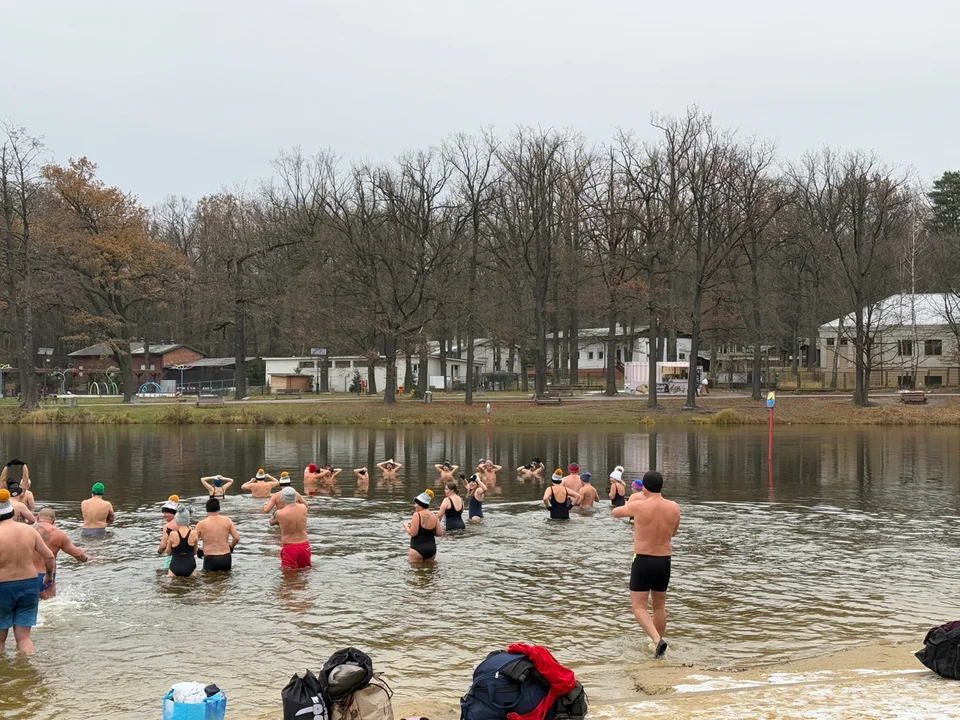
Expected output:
(56, 540)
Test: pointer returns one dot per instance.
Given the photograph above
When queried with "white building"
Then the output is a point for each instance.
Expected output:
(913, 337)
(592, 349)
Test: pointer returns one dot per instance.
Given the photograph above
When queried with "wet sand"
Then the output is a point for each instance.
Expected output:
(881, 680)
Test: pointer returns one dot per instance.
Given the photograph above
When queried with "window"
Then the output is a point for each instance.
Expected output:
(933, 380)
(933, 347)
(905, 347)
(339, 364)
(153, 367)
(682, 356)
(843, 342)
(600, 355)
(455, 371)
(590, 355)
(830, 342)
(142, 366)
(305, 364)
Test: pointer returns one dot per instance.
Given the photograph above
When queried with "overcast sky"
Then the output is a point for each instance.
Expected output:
(187, 97)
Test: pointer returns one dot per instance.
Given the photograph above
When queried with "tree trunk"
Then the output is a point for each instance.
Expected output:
(324, 375)
(423, 380)
(407, 372)
(612, 354)
(372, 377)
(757, 369)
(860, 389)
(390, 352)
(443, 356)
(653, 354)
(574, 345)
(540, 363)
(240, 337)
(524, 376)
(122, 355)
(694, 349)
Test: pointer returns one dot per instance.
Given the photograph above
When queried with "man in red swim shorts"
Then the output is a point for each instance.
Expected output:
(292, 519)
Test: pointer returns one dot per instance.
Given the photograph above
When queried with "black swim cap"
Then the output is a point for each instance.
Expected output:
(652, 481)
(213, 505)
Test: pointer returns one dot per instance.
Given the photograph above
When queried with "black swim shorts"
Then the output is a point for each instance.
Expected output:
(650, 572)
(217, 563)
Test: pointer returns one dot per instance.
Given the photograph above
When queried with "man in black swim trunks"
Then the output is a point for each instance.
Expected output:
(656, 521)
(219, 537)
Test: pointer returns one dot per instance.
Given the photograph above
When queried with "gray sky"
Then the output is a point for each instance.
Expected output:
(187, 97)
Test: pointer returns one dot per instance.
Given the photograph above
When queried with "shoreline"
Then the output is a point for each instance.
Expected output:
(713, 410)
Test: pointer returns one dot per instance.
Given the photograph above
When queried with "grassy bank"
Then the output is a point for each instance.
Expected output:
(725, 411)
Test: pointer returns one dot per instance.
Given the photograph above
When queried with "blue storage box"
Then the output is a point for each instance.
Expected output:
(214, 708)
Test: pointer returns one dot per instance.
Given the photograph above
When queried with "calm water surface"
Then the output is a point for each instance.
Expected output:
(854, 540)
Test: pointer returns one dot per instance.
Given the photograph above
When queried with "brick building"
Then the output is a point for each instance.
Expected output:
(92, 363)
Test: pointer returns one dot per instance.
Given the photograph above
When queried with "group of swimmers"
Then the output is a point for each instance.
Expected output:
(214, 538)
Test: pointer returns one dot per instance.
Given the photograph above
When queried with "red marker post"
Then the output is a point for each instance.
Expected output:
(771, 401)
(488, 430)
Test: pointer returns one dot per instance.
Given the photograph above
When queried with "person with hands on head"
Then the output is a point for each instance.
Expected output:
(22, 513)
(217, 485)
(261, 486)
(276, 500)
(617, 491)
(423, 528)
(15, 471)
(363, 479)
(447, 470)
(476, 491)
(559, 499)
(389, 469)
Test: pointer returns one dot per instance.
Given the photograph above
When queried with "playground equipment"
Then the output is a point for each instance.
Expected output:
(145, 388)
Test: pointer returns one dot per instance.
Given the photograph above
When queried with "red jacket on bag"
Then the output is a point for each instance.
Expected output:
(561, 679)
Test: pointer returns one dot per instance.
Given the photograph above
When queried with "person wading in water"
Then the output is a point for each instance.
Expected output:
(656, 521)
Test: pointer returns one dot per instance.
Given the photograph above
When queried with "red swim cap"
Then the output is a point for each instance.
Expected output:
(312, 467)
(574, 468)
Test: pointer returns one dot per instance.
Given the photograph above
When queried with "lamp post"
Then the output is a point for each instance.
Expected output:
(771, 401)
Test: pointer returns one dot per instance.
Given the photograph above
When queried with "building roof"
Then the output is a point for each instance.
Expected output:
(906, 309)
(208, 362)
(136, 348)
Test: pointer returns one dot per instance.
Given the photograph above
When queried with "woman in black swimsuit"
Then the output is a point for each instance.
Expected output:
(559, 499)
(182, 546)
(618, 491)
(451, 509)
(423, 529)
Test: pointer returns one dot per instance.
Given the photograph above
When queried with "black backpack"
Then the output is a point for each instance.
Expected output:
(941, 651)
(507, 683)
(304, 700)
(335, 691)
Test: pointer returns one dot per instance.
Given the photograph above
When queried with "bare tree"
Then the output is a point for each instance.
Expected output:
(19, 186)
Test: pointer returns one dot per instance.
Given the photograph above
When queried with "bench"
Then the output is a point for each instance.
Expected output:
(561, 390)
(209, 401)
(290, 393)
(913, 397)
(68, 400)
(547, 399)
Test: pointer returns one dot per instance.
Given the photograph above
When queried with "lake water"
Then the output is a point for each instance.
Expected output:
(854, 539)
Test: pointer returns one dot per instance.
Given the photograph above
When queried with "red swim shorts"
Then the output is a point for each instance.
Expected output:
(295, 555)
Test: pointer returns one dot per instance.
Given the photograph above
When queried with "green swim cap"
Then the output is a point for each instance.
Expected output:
(98, 489)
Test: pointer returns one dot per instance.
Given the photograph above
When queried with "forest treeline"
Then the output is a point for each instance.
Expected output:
(523, 239)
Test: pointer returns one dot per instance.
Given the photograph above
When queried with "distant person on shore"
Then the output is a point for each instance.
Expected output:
(618, 491)
(217, 485)
(558, 499)
(292, 519)
(451, 509)
(56, 540)
(22, 513)
(19, 593)
(573, 481)
(705, 385)
(261, 486)
(476, 491)
(182, 546)
(97, 512)
(169, 512)
(588, 495)
(15, 471)
(488, 472)
(216, 532)
(363, 480)
(423, 528)
(389, 468)
(656, 521)
(447, 470)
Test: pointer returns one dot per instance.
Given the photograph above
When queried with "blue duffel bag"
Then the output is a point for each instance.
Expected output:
(213, 708)
(504, 683)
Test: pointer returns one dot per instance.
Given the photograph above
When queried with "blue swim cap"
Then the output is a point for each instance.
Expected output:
(637, 484)
(585, 476)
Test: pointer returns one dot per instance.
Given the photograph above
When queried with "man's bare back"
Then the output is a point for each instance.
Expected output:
(260, 487)
(292, 520)
(18, 543)
(97, 513)
(656, 520)
(215, 532)
(588, 496)
(56, 540)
